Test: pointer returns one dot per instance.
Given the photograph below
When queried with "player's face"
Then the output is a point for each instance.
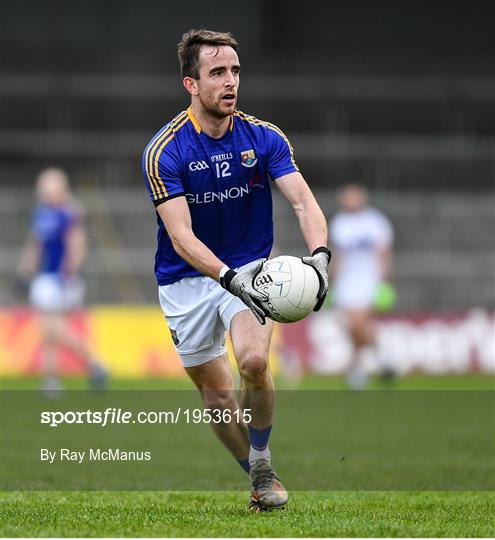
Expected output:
(218, 81)
(52, 187)
(353, 199)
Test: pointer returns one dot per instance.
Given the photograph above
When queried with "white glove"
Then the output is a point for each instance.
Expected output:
(319, 260)
(241, 284)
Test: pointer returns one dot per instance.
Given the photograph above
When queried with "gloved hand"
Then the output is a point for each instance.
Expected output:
(319, 260)
(241, 284)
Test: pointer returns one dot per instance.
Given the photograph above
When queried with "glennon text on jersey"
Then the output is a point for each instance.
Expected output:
(220, 196)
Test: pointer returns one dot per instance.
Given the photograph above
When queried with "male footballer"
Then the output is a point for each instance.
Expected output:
(209, 173)
(362, 237)
(51, 259)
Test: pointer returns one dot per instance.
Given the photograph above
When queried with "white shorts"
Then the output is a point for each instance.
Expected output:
(356, 292)
(51, 293)
(199, 312)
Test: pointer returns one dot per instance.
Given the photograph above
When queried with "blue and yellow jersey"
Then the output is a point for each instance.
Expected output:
(50, 227)
(225, 182)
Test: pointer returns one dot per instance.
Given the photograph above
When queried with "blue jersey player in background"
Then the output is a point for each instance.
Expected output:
(51, 260)
(209, 173)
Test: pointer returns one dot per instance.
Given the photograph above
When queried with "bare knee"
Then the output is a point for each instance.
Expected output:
(218, 399)
(359, 328)
(253, 367)
(50, 329)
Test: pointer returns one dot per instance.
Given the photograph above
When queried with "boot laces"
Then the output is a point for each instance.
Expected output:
(264, 479)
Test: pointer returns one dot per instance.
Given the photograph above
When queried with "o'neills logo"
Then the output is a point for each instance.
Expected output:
(220, 196)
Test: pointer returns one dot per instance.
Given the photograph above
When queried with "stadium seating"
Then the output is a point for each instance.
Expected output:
(420, 134)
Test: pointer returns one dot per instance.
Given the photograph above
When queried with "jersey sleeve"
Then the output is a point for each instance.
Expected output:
(387, 232)
(161, 168)
(333, 229)
(76, 214)
(384, 231)
(280, 153)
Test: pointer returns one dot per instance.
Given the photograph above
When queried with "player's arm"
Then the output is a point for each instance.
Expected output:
(384, 248)
(163, 179)
(177, 220)
(76, 248)
(336, 262)
(385, 259)
(282, 168)
(336, 251)
(313, 226)
(311, 219)
(29, 260)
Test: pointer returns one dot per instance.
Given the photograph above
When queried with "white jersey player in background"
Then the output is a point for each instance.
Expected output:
(362, 238)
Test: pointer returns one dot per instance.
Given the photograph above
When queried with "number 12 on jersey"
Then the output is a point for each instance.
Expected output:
(222, 169)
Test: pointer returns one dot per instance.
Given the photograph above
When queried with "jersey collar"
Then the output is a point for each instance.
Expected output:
(196, 124)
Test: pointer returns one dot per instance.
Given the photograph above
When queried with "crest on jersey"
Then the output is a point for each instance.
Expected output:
(248, 158)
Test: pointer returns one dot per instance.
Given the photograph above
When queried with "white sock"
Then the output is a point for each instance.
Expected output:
(367, 357)
(385, 363)
(357, 378)
(254, 455)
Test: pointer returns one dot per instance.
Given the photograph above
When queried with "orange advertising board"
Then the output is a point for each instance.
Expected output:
(132, 341)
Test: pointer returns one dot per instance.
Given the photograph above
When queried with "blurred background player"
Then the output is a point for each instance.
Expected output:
(362, 239)
(51, 261)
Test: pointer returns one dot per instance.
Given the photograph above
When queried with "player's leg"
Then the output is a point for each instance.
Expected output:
(354, 293)
(73, 297)
(251, 343)
(63, 334)
(191, 307)
(49, 362)
(360, 331)
(53, 297)
(45, 297)
(215, 383)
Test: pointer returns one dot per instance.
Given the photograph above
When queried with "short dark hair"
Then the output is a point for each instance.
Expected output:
(189, 48)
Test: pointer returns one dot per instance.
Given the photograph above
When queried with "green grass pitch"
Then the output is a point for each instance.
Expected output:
(199, 514)
(322, 514)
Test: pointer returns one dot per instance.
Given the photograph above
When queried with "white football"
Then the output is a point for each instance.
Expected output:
(291, 286)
